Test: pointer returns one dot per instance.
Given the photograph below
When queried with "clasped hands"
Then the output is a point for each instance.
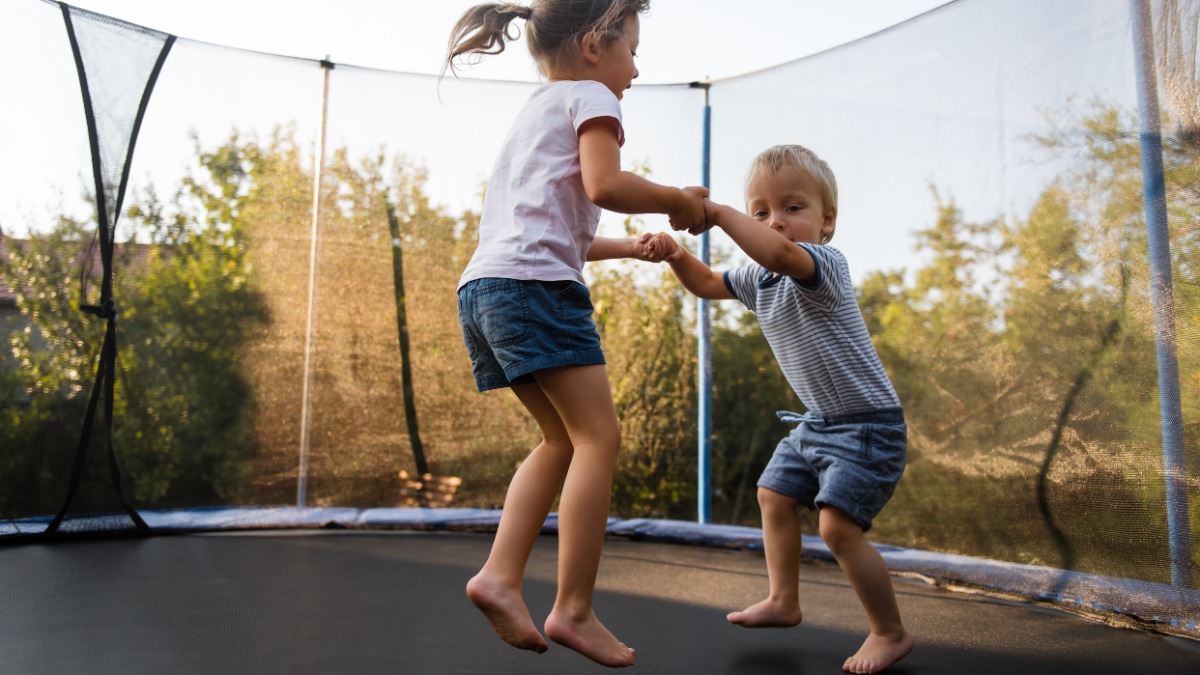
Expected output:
(696, 218)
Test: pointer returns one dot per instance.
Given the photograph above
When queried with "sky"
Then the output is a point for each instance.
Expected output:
(682, 40)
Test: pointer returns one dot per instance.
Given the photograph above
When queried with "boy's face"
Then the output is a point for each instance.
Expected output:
(789, 202)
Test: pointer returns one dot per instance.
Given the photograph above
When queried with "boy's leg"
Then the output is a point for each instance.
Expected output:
(868, 574)
(781, 541)
(583, 399)
(496, 589)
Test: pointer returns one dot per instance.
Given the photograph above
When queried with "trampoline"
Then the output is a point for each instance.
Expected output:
(339, 601)
(278, 340)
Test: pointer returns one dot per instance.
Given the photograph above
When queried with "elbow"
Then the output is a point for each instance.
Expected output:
(602, 194)
(604, 191)
(790, 260)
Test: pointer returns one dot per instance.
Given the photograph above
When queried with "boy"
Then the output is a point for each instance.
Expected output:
(847, 453)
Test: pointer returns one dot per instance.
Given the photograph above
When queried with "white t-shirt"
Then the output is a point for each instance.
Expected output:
(537, 221)
(817, 333)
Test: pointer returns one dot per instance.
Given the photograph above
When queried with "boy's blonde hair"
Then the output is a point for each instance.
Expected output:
(552, 27)
(779, 157)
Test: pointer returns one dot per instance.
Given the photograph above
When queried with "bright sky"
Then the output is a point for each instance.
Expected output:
(682, 40)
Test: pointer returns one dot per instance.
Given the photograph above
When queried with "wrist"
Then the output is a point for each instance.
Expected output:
(717, 215)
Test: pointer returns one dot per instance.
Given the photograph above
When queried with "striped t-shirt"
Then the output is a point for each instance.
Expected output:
(817, 333)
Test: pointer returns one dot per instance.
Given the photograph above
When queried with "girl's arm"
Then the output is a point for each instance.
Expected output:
(608, 248)
(764, 245)
(623, 192)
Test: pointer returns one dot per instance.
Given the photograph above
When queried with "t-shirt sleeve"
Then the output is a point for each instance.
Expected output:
(827, 289)
(743, 283)
(594, 103)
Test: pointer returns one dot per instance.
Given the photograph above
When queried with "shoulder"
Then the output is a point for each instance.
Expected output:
(830, 262)
(824, 252)
(588, 92)
(593, 89)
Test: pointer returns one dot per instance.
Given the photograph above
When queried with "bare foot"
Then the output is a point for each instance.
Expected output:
(506, 611)
(590, 638)
(878, 653)
(767, 614)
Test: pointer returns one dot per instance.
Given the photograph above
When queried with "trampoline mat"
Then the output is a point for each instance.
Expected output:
(393, 602)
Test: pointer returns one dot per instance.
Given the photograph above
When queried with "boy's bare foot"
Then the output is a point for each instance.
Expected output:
(506, 611)
(590, 638)
(767, 614)
(878, 653)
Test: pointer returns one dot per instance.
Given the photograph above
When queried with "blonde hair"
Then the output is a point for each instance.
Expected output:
(776, 158)
(552, 27)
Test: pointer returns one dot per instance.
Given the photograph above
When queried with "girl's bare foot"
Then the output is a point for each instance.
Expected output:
(767, 614)
(506, 611)
(590, 638)
(878, 653)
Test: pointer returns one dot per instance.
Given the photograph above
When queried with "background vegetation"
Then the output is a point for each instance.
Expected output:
(1023, 351)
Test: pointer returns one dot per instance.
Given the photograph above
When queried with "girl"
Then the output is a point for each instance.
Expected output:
(526, 314)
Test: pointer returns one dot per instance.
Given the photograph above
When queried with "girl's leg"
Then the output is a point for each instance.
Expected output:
(868, 574)
(781, 540)
(496, 589)
(583, 399)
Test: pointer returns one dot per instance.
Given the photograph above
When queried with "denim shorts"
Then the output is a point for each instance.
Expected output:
(851, 462)
(513, 328)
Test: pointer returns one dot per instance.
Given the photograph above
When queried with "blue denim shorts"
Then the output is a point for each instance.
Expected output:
(851, 462)
(513, 328)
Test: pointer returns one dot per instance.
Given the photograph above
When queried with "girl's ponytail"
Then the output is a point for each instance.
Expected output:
(484, 29)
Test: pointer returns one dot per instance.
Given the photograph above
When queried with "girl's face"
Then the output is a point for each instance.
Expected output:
(789, 202)
(614, 62)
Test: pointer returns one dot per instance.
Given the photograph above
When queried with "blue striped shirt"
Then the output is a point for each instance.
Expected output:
(817, 333)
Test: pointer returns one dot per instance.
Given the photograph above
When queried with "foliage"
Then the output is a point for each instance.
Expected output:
(1031, 397)
(181, 406)
(1022, 349)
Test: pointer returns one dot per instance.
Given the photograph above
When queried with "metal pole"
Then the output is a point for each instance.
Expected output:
(1161, 296)
(704, 354)
(306, 403)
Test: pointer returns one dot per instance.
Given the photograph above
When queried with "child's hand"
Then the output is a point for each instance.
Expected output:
(691, 216)
(710, 218)
(644, 251)
(663, 247)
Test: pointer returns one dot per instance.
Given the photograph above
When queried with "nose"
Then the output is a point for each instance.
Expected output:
(775, 222)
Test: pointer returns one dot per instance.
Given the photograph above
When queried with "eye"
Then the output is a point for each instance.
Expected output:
(760, 215)
(793, 208)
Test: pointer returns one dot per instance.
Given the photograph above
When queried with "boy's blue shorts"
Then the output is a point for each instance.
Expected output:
(513, 328)
(851, 462)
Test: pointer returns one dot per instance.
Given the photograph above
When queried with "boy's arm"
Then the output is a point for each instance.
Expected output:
(764, 245)
(700, 280)
(623, 192)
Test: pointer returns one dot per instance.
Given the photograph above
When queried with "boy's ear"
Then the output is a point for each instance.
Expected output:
(829, 224)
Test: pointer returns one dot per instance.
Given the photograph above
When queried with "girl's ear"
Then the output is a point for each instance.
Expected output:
(590, 46)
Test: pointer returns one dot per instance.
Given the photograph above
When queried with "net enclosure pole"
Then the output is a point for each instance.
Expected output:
(704, 339)
(305, 402)
(1161, 295)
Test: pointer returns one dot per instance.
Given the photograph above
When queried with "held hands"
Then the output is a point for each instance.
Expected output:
(692, 215)
(656, 247)
(709, 209)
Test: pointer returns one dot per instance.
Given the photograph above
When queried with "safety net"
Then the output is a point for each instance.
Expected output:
(227, 283)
